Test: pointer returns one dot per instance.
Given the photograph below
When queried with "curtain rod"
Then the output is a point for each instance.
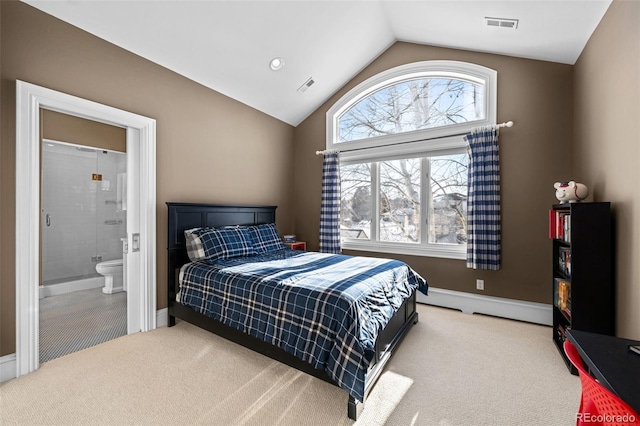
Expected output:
(328, 151)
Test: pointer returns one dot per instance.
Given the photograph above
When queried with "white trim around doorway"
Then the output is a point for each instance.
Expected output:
(140, 131)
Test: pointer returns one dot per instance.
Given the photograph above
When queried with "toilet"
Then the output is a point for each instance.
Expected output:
(112, 270)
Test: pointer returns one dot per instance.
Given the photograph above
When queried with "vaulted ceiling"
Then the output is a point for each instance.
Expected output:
(227, 45)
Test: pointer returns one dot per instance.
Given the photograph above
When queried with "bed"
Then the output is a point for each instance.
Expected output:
(317, 325)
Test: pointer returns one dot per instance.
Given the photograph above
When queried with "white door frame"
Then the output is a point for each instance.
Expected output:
(141, 132)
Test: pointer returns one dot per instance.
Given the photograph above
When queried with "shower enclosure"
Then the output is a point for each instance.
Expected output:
(83, 205)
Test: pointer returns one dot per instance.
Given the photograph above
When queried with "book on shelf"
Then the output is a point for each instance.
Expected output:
(564, 261)
(552, 224)
(562, 295)
(560, 225)
(562, 332)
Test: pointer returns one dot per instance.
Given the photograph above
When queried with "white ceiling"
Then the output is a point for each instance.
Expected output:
(227, 45)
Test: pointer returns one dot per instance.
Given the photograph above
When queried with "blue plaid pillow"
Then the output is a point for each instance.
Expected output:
(265, 238)
(212, 244)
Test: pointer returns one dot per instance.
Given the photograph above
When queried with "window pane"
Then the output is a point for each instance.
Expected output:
(356, 201)
(400, 200)
(448, 207)
(412, 105)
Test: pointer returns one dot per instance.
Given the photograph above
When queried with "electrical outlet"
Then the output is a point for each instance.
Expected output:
(479, 284)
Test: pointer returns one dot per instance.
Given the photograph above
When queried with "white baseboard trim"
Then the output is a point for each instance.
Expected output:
(71, 286)
(7, 367)
(162, 317)
(470, 303)
(8, 362)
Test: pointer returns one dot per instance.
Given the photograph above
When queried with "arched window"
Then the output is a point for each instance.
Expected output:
(403, 157)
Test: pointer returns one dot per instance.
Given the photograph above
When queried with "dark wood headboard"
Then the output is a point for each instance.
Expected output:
(194, 215)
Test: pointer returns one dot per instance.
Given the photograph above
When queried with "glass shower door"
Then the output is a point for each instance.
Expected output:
(68, 212)
(83, 210)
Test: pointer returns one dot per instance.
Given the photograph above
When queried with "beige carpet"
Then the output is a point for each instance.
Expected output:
(452, 369)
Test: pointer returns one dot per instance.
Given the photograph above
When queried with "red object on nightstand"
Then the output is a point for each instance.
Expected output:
(298, 245)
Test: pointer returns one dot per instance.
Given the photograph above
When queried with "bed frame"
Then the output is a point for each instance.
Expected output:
(188, 215)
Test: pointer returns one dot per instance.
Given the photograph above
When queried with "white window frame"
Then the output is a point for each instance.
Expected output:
(419, 143)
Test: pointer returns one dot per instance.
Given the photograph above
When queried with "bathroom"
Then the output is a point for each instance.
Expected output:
(83, 205)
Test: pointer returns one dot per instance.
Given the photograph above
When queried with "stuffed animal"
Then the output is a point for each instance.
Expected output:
(570, 191)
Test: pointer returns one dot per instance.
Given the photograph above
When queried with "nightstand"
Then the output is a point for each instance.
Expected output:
(298, 245)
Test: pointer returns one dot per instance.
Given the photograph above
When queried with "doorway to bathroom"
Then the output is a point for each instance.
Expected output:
(141, 212)
(82, 294)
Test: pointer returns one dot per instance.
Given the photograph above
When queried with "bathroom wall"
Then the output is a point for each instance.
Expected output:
(86, 216)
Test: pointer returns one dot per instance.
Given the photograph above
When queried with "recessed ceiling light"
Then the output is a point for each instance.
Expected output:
(276, 64)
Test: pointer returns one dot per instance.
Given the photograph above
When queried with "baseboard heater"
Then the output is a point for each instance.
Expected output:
(471, 303)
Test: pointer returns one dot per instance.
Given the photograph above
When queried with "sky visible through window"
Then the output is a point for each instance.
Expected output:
(410, 105)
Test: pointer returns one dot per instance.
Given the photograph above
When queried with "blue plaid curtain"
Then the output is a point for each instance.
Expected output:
(483, 200)
(330, 208)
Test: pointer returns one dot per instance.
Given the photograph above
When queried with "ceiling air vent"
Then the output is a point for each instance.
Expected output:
(306, 85)
(501, 22)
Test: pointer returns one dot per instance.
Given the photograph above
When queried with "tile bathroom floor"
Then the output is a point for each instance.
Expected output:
(75, 321)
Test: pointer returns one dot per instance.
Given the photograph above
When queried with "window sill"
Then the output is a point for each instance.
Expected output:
(445, 251)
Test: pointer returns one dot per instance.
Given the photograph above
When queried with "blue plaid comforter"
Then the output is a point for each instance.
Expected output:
(325, 309)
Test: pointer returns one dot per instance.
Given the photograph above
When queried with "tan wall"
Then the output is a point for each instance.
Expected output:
(67, 128)
(535, 153)
(607, 149)
(210, 148)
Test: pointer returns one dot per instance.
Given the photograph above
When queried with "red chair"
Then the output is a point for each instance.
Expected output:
(598, 405)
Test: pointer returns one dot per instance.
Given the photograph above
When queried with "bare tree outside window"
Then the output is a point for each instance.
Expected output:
(407, 106)
(400, 200)
(448, 207)
(412, 105)
(399, 208)
(356, 201)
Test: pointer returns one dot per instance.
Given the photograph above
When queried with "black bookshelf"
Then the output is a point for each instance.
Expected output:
(583, 280)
